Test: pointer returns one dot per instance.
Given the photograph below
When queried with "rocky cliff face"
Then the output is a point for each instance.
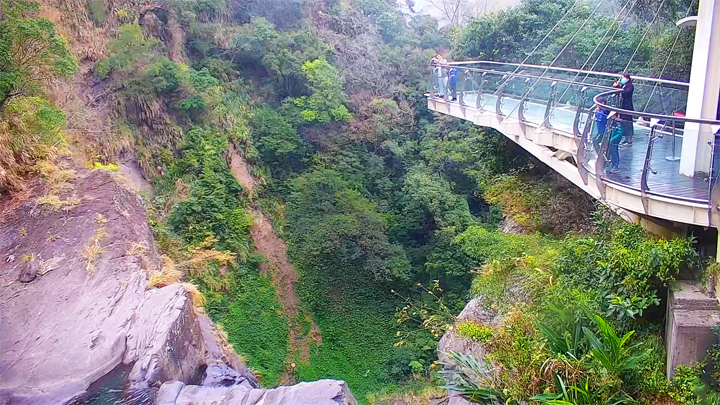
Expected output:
(75, 304)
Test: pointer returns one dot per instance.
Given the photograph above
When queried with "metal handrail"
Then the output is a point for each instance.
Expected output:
(528, 76)
(468, 74)
(650, 115)
(571, 70)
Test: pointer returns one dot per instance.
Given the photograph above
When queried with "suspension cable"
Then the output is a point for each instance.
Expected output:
(547, 68)
(644, 35)
(610, 27)
(617, 29)
(667, 60)
(517, 69)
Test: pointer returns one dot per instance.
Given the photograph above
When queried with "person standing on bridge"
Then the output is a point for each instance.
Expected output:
(616, 134)
(452, 82)
(601, 117)
(626, 103)
(441, 75)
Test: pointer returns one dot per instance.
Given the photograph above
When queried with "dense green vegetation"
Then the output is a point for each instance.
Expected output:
(578, 311)
(390, 213)
(31, 54)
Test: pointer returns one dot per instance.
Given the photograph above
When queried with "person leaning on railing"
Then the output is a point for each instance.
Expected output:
(624, 82)
(440, 74)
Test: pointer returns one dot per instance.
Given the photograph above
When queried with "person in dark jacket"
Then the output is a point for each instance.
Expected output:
(626, 103)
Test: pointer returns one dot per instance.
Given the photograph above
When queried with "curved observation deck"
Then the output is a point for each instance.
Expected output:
(549, 112)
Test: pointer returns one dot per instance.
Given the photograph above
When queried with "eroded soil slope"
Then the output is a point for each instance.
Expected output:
(278, 266)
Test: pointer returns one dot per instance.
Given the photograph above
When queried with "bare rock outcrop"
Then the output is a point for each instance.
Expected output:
(451, 342)
(87, 307)
(75, 306)
(321, 392)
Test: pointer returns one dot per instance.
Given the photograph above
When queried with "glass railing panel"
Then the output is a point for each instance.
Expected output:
(628, 159)
(664, 178)
(512, 92)
(562, 115)
(476, 84)
(660, 99)
(465, 87)
(591, 140)
(488, 85)
(537, 100)
(433, 83)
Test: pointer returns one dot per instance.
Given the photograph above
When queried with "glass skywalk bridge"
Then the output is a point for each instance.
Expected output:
(549, 112)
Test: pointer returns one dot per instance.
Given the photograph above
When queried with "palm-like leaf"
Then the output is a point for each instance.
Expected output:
(610, 350)
(465, 375)
(583, 395)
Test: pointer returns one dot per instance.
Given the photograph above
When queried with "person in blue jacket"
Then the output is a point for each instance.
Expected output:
(601, 117)
(452, 83)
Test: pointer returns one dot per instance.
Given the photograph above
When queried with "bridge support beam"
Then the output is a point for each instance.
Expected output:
(704, 90)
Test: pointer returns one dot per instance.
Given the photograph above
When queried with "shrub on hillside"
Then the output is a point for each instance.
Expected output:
(30, 129)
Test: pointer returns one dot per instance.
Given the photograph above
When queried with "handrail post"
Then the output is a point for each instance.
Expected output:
(500, 94)
(600, 160)
(578, 112)
(460, 87)
(673, 157)
(713, 190)
(478, 98)
(582, 151)
(432, 84)
(646, 168)
(550, 102)
(521, 106)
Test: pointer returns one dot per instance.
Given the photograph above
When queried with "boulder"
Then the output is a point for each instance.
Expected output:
(321, 392)
(451, 342)
(510, 226)
(29, 272)
(85, 316)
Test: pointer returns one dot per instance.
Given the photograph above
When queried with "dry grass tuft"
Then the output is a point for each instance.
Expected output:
(57, 176)
(54, 202)
(427, 395)
(51, 201)
(91, 253)
(137, 249)
(200, 257)
(49, 265)
(100, 218)
(168, 275)
(141, 249)
(197, 298)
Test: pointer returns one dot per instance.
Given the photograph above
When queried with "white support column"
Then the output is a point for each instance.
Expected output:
(704, 89)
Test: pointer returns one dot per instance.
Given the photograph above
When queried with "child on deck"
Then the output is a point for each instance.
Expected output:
(452, 83)
(616, 136)
(601, 116)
